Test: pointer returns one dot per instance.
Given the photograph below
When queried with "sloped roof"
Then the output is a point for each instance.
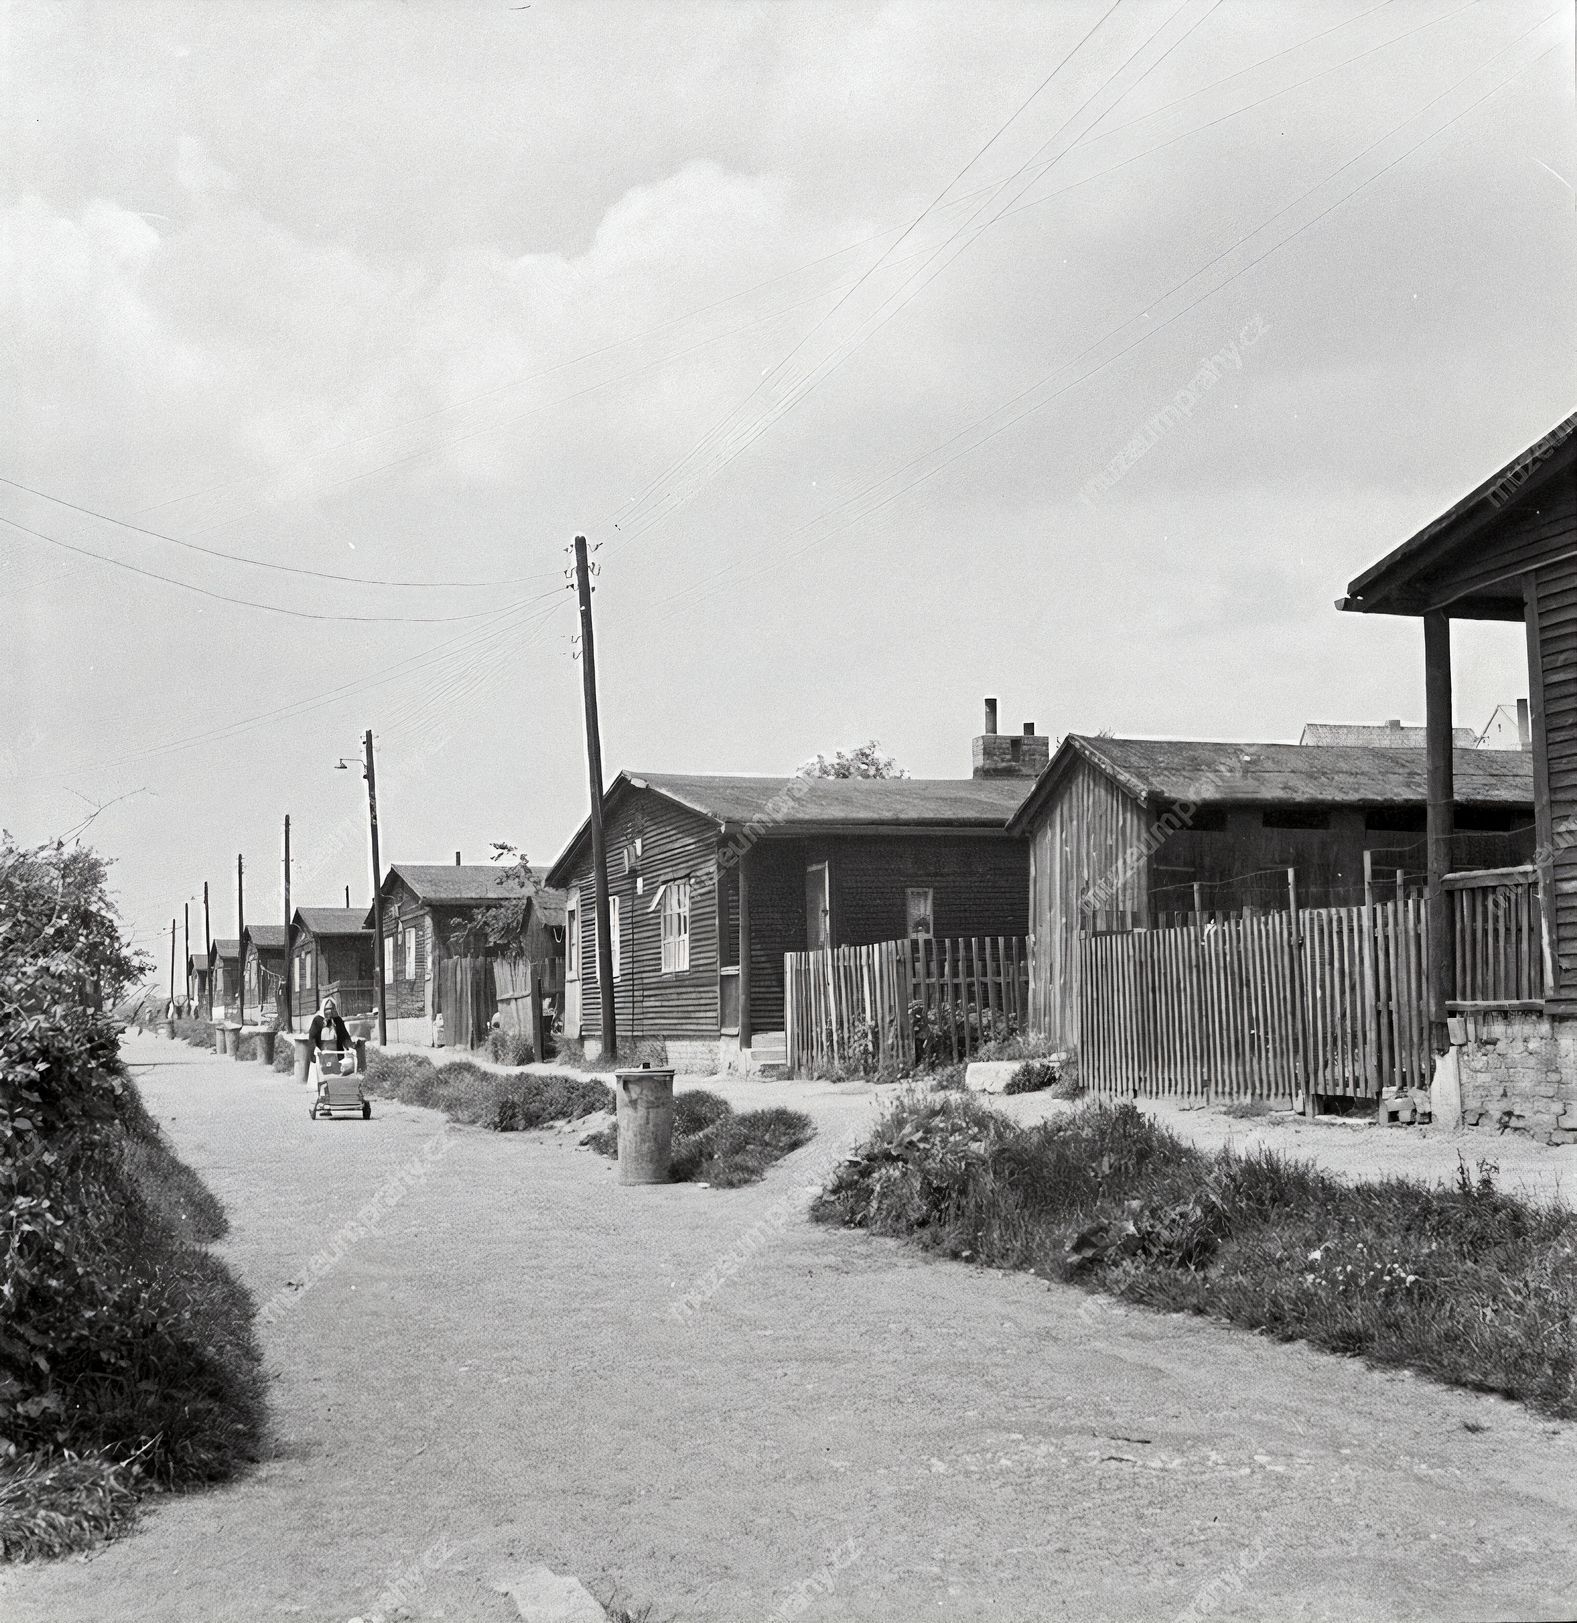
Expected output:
(266, 937)
(453, 883)
(228, 948)
(1378, 734)
(325, 921)
(197, 960)
(795, 805)
(1215, 773)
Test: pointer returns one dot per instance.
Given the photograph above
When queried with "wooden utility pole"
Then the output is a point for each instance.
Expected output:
(172, 961)
(208, 950)
(186, 926)
(377, 895)
(240, 944)
(290, 1002)
(1440, 824)
(599, 850)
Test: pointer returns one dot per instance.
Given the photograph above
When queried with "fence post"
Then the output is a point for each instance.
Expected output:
(1371, 987)
(1299, 990)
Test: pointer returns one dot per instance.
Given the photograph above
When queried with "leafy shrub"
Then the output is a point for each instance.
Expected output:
(1043, 1076)
(465, 1092)
(948, 1078)
(196, 1030)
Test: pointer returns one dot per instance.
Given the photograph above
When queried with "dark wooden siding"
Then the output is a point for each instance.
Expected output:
(1531, 538)
(777, 924)
(1557, 654)
(675, 844)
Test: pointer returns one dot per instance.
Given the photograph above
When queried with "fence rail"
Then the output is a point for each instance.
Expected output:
(1271, 1005)
(1499, 937)
(898, 1001)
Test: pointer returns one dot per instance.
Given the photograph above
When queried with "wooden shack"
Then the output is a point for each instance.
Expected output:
(263, 972)
(1125, 833)
(224, 960)
(332, 956)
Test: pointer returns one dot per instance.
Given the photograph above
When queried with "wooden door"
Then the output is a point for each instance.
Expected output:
(572, 965)
(818, 907)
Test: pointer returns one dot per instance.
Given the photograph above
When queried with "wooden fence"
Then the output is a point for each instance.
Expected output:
(1268, 1005)
(898, 1001)
(1499, 938)
(466, 1000)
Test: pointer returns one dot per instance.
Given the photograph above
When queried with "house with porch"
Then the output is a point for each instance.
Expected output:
(429, 909)
(1129, 833)
(224, 968)
(1506, 551)
(713, 878)
(331, 956)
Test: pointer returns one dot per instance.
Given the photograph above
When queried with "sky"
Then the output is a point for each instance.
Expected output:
(836, 327)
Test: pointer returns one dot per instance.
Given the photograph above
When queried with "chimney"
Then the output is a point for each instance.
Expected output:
(1524, 731)
(1000, 755)
(457, 859)
(1397, 723)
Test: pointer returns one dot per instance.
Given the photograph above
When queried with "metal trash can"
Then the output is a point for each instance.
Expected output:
(263, 1045)
(646, 1124)
(219, 1036)
(233, 1038)
(303, 1055)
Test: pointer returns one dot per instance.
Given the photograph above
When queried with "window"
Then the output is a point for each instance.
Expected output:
(410, 954)
(920, 912)
(388, 960)
(614, 934)
(572, 936)
(676, 926)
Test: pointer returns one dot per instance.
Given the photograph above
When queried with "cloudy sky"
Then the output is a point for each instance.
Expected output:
(830, 322)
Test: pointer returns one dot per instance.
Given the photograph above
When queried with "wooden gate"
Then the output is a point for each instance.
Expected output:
(466, 999)
(1271, 1005)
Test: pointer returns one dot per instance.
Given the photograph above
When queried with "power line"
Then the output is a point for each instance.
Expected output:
(241, 602)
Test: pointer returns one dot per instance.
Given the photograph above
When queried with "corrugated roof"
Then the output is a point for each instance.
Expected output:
(333, 920)
(1304, 774)
(266, 936)
(1379, 735)
(452, 883)
(985, 802)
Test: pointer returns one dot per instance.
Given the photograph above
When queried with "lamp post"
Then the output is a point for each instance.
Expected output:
(370, 773)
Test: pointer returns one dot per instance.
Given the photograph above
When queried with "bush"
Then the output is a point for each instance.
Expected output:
(711, 1144)
(196, 1030)
(510, 1047)
(1464, 1284)
(465, 1092)
(1042, 1076)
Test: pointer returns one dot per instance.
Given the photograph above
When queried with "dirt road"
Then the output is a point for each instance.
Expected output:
(495, 1379)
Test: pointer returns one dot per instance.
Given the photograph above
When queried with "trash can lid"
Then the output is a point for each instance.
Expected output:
(645, 1072)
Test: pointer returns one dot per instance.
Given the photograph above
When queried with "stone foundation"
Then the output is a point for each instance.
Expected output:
(1519, 1073)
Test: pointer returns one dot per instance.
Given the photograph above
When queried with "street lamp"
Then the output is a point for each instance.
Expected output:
(369, 772)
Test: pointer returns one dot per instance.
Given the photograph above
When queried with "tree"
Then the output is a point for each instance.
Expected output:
(505, 925)
(864, 761)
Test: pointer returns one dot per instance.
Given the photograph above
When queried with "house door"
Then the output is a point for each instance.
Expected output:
(818, 907)
(572, 965)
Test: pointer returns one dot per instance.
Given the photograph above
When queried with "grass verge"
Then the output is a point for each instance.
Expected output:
(715, 1145)
(1464, 1284)
(480, 1098)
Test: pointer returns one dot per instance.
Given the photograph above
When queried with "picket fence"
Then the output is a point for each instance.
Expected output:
(1267, 1005)
(898, 1001)
(1499, 938)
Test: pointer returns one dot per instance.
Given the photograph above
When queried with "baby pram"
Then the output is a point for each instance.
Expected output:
(339, 1090)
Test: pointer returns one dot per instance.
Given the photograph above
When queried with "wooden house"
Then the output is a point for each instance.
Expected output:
(331, 956)
(712, 879)
(197, 981)
(224, 959)
(428, 913)
(1506, 551)
(263, 972)
(1126, 832)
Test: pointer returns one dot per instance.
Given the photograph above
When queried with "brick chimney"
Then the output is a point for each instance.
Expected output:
(1001, 755)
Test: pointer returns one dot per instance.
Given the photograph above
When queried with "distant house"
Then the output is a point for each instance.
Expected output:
(197, 980)
(713, 879)
(1506, 551)
(224, 959)
(427, 911)
(1391, 735)
(333, 956)
(1507, 729)
(263, 971)
(1122, 830)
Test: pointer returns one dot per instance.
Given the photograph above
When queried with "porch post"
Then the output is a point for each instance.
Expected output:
(743, 871)
(1441, 821)
(1543, 819)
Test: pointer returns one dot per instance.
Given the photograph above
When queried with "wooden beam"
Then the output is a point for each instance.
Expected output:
(1441, 819)
(1543, 815)
(744, 951)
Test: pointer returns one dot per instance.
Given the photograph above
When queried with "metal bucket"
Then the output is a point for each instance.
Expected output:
(646, 1124)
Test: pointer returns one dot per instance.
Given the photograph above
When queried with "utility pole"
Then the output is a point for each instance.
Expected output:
(186, 925)
(172, 960)
(377, 896)
(290, 1002)
(240, 943)
(208, 950)
(599, 850)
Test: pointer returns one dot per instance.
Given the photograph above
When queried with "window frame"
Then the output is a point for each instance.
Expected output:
(929, 920)
(675, 931)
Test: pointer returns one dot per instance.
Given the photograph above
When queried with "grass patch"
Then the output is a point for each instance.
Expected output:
(467, 1093)
(1464, 1284)
(1246, 1109)
(53, 1506)
(195, 1029)
(715, 1145)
